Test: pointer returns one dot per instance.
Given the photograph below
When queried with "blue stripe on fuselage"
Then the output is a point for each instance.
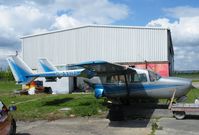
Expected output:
(133, 87)
(139, 87)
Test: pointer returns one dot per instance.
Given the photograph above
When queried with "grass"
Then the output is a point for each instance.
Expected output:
(187, 75)
(47, 106)
(7, 87)
(154, 127)
(192, 95)
(44, 106)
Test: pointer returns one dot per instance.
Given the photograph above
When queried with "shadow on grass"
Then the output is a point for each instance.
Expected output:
(56, 102)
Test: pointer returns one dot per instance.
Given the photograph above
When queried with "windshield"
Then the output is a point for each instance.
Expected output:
(153, 76)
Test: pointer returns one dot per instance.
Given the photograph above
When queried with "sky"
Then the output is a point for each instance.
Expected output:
(25, 17)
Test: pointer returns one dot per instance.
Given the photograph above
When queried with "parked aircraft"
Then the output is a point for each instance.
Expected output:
(117, 82)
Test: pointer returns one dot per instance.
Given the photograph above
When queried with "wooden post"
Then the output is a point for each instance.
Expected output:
(173, 96)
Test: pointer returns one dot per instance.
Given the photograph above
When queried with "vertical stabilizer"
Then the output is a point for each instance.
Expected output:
(46, 65)
(22, 73)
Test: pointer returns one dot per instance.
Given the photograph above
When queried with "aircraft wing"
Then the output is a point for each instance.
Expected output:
(91, 68)
(102, 67)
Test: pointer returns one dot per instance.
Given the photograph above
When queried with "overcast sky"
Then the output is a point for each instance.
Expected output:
(24, 17)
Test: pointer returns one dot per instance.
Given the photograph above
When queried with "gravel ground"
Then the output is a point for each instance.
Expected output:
(99, 126)
(84, 126)
(171, 126)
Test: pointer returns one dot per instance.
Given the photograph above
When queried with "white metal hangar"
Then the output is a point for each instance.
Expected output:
(144, 47)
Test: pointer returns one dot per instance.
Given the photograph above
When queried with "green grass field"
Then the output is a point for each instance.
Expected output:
(44, 106)
(186, 75)
(7, 87)
(193, 76)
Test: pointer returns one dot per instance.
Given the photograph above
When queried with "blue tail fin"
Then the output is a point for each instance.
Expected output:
(22, 73)
(46, 65)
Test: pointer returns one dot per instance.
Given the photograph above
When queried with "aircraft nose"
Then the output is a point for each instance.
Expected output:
(183, 86)
(187, 83)
(190, 84)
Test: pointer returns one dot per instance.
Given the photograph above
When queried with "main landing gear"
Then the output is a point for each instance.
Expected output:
(116, 113)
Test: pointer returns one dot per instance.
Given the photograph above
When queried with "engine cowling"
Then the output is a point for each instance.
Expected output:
(99, 92)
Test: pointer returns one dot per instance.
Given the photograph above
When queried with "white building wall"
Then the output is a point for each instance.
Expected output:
(114, 44)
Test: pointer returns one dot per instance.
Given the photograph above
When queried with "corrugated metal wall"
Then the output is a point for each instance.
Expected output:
(113, 44)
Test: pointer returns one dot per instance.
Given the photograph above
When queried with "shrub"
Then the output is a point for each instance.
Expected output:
(6, 75)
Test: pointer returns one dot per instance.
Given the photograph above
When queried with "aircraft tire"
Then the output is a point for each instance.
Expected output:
(116, 113)
(179, 115)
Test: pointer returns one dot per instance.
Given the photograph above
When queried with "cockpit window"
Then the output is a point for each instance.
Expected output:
(133, 78)
(143, 77)
(136, 78)
(115, 79)
(154, 76)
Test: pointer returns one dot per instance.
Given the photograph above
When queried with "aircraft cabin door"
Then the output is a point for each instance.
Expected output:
(136, 83)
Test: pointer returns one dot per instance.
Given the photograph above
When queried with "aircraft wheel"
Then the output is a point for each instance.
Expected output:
(116, 113)
(179, 115)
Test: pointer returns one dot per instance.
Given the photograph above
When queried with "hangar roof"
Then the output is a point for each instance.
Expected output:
(92, 25)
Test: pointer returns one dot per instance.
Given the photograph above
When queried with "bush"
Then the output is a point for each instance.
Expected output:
(6, 75)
